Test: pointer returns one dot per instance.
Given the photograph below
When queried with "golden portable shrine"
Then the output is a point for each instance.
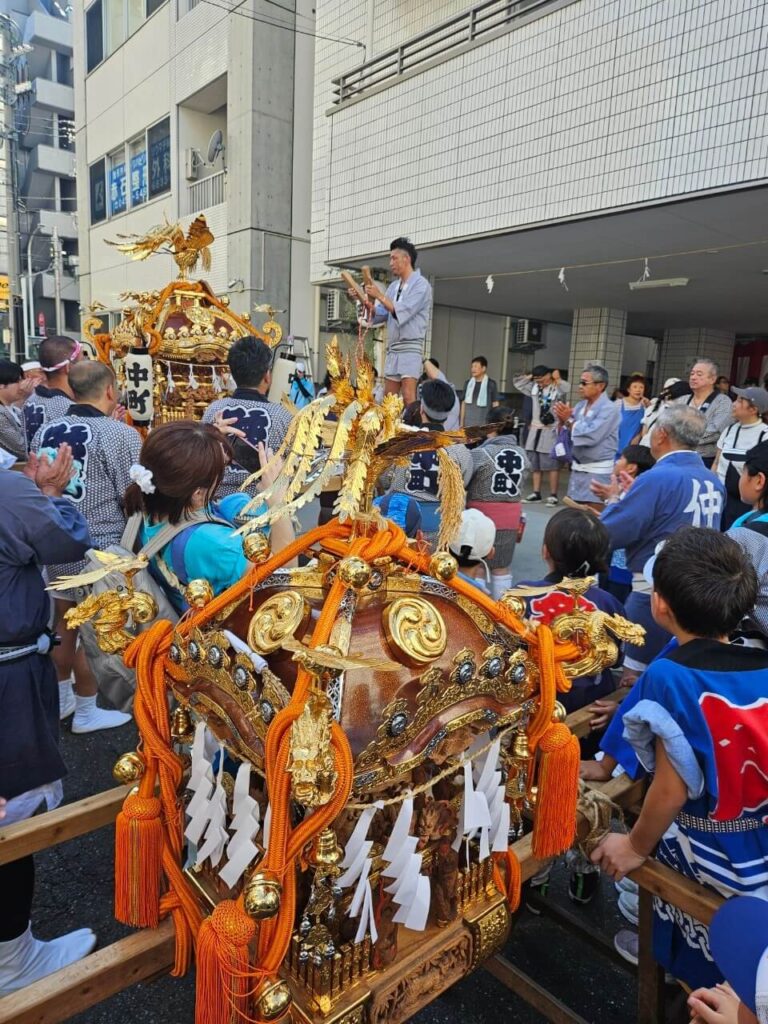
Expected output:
(335, 758)
(169, 349)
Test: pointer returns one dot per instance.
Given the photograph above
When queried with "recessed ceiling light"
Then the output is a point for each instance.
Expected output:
(666, 282)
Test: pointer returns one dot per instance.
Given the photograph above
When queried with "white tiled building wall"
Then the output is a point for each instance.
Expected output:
(597, 105)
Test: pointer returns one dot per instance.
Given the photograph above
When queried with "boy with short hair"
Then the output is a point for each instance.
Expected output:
(697, 721)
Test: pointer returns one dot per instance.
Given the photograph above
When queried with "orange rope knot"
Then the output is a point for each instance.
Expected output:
(141, 808)
(232, 924)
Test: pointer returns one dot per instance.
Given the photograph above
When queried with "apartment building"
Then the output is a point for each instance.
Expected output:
(598, 165)
(184, 107)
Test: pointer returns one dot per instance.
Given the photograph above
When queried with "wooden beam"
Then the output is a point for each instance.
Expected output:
(580, 722)
(524, 986)
(83, 984)
(67, 822)
(675, 888)
(650, 977)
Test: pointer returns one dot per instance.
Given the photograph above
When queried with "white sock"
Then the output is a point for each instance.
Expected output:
(499, 584)
(89, 717)
(85, 706)
(26, 959)
(66, 697)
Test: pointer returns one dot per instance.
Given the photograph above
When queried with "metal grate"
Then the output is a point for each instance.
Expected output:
(471, 25)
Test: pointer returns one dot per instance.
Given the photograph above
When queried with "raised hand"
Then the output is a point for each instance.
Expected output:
(53, 477)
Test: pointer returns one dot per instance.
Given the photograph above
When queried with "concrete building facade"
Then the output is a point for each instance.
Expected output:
(540, 152)
(42, 122)
(184, 108)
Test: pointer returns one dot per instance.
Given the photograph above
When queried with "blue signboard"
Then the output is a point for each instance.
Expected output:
(117, 188)
(159, 138)
(138, 178)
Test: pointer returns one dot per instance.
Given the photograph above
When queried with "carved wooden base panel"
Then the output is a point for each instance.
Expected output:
(428, 964)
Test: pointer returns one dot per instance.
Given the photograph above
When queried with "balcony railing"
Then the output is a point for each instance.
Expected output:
(484, 18)
(207, 192)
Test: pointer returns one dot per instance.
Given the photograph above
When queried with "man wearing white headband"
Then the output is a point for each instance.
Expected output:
(51, 399)
(103, 451)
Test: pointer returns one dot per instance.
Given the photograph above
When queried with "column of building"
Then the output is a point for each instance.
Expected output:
(597, 336)
(681, 347)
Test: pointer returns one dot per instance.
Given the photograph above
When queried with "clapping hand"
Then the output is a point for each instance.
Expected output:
(51, 477)
(563, 411)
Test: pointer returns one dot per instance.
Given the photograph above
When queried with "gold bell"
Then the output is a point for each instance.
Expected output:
(559, 714)
(198, 593)
(443, 566)
(256, 548)
(326, 852)
(273, 997)
(533, 795)
(520, 747)
(128, 768)
(355, 572)
(181, 725)
(261, 896)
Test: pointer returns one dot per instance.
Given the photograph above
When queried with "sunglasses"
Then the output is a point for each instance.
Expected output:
(585, 383)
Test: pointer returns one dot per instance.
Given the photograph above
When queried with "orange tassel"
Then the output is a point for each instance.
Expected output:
(224, 972)
(510, 886)
(554, 827)
(138, 862)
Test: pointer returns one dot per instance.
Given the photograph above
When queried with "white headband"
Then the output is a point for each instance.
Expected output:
(143, 477)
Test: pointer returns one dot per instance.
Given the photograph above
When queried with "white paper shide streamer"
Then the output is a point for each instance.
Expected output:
(246, 820)
(356, 867)
(410, 889)
(201, 785)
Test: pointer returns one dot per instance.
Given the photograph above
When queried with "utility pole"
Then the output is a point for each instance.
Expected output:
(57, 271)
(11, 212)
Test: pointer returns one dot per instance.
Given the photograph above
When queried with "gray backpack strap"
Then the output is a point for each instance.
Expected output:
(169, 531)
(131, 532)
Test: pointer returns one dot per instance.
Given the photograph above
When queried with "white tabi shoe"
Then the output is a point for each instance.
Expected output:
(27, 959)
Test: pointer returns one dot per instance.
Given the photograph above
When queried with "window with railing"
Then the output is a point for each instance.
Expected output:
(471, 26)
(207, 192)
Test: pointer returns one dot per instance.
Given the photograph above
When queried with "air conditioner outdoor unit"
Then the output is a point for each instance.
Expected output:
(529, 335)
(192, 164)
(333, 306)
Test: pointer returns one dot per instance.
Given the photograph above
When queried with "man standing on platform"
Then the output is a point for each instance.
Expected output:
(405, 307)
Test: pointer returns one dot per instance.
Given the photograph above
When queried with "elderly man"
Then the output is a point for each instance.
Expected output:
(716, 406)
(594, 428)
(405, 307)
(546, 388)
(678, 491)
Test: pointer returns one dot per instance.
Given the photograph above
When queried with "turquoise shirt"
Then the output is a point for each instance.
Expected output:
(206, 550)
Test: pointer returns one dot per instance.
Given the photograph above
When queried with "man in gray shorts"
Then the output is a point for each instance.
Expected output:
(545, 387)
(405, 306)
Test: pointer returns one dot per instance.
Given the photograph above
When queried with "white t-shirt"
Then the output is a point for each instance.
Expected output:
(734, 443)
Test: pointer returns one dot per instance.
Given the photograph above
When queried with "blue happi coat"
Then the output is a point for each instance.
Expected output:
(707, 702)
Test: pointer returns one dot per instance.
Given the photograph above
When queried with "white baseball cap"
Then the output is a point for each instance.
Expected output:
(476, 536)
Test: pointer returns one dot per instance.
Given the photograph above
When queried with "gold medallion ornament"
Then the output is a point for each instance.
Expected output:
(261, 895)
(256, 548)
(415, 630)
(198, 593)
(443, 566)
(355, 572)
(280, 617)
(128, 768)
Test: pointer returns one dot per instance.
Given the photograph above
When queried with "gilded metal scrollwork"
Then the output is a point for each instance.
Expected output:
(281, 616)
(415, 630)
(592, 631)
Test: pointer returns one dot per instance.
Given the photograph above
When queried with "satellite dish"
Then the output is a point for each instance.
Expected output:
(216, 146)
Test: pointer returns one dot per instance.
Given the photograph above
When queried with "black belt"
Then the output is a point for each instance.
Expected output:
(41, 644)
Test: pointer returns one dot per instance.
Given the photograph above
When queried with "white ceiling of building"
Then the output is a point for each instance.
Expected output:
(728, 287)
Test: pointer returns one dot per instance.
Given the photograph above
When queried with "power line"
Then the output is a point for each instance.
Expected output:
(278, 24)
